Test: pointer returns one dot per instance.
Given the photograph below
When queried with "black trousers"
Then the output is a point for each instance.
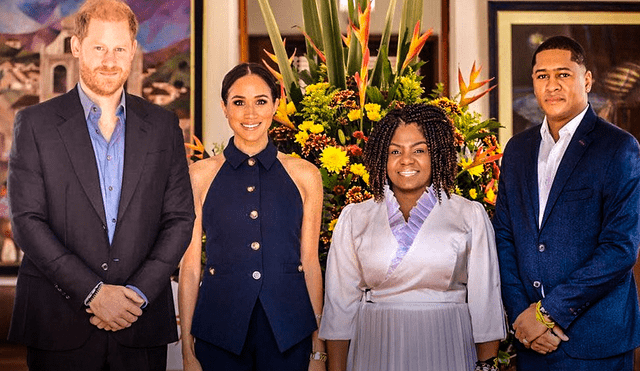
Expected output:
(260, 351)
(100, 353)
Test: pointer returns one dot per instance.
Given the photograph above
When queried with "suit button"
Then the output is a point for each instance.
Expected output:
(255, 246)
(104, 227)
(251, 189)
(253, 214)
(536, 284)
(541, 247)
(300, 268)
(212, 271)
(67, 297)
(251, 161)
(256, 275)
(104, 266)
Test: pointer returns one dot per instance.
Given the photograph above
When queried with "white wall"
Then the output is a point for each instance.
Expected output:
(221, 53)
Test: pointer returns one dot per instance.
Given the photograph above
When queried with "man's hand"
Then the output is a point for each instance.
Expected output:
(549, 341)
(115, 308)
(527, 327)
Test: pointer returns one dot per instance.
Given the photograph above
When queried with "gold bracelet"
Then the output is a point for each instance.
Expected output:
(540, 317)
(318, 356)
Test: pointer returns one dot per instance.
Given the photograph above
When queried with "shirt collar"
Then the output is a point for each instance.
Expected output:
(88, 104)
(568, 129)
(236, 157)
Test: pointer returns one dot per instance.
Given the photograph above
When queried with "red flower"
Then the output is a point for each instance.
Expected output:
(360, 135)
(338, 190)
(354, 150)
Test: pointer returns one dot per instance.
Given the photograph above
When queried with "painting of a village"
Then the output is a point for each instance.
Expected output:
(36, 63)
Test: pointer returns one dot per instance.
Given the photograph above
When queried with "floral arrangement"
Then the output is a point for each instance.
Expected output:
(327, 122)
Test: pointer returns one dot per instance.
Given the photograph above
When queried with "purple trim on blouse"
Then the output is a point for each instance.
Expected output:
(406, 231)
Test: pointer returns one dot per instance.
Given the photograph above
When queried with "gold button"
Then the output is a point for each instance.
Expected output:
(253, 214)
(251, 161)
(256, 275)
(255, 246)
(300, 268)
(212, 271)
(251, 189)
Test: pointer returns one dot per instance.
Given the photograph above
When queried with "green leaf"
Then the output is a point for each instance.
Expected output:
(332, 43)
(276, 41)
(354, 60)
(383, 53)
(312, 24)
(375, 95)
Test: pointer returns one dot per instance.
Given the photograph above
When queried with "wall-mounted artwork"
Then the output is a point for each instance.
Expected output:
(36, 63)
(609, 33)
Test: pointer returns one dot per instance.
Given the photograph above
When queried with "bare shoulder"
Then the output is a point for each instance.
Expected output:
(202, 173)
(305, 175)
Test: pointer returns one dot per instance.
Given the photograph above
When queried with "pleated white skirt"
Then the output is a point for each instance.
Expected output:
(412, 337)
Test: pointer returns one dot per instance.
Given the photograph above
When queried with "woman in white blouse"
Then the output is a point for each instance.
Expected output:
(412, 279)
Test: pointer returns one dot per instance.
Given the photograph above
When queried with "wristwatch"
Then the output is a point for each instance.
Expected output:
(318, 356)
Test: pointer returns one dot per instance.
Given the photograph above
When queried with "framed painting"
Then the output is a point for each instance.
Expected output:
(609, 33)
(36, 64)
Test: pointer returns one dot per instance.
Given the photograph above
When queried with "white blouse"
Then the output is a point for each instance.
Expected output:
(453, 259)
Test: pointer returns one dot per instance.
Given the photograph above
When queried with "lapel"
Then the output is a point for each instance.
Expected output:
(136, 146)
(531, 176)
(578, 145)
(75, 136)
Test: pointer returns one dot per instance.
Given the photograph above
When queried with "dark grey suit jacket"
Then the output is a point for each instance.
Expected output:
(59, 222)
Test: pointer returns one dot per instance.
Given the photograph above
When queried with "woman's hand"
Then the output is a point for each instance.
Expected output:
(317, 365)
(189, 360)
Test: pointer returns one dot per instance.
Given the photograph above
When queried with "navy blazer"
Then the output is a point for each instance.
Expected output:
(59, 222)
(583, 254)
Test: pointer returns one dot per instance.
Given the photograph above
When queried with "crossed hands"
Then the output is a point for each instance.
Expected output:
(536, 336)
(115, 308)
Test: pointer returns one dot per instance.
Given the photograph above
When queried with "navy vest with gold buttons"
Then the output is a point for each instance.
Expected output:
(252, 217)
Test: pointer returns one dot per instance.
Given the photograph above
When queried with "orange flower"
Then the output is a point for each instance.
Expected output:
(197, 147)
(417, 42)
(482, 157)
(313, 45)
(362, 33)
(275, 59)
(363, 77)
(473, 85)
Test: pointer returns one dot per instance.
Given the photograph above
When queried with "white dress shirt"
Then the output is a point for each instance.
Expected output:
(550, 155)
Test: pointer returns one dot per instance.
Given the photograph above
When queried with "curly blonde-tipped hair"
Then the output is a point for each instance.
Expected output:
(105, 10)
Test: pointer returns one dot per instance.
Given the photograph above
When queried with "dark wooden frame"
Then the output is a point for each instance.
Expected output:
(536, 8)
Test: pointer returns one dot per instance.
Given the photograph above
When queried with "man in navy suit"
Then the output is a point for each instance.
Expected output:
(101, 204)
(567, 226)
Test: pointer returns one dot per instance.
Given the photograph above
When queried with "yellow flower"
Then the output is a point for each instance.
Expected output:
(306, 125)
(473, 193)
(332, 224)
(293, 154)
(334, 159)
(301, 137)
(372, 107)
(474, 171)
(313, 87)
(374, 116)
(365, 177)
(316, 129)
(490, 196)
(291, 108)
(354, 114)
(358, 169)
(458, 191)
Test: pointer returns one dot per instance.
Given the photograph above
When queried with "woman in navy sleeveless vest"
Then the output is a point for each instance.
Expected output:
(260, 297)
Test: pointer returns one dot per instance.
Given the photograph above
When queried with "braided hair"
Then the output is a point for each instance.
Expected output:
(438, 132)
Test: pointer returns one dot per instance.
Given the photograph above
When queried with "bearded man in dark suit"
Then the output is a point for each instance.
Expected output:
(101, 204)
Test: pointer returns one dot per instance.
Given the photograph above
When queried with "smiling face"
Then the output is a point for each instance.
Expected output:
(105, 56)
(249, 109)
(561, 86)
(409, 162)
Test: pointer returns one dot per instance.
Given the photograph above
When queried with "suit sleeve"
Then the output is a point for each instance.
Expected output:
(513, 292)
(176, 225)
(30, 217)
(617, 249)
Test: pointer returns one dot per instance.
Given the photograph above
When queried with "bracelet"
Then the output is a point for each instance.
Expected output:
(490, 364)
(94, 293)
(540, 316)
(318, 317)
(318, 356)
